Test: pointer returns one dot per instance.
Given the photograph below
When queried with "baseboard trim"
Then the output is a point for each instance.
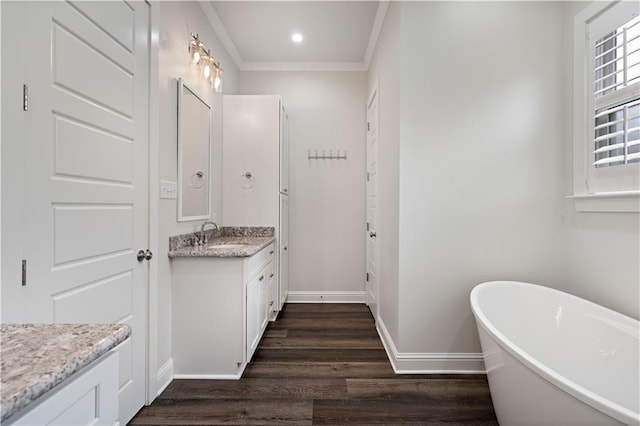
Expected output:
(164, 376)
(326, 297)
(429, 363)
(208, 376)
(387, 342)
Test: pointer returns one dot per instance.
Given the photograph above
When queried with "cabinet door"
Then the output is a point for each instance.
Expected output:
(253, 312)
(284, 275)
(271, 292)
(266, 295)
(284, 151)
(283, 264)
(91, 397)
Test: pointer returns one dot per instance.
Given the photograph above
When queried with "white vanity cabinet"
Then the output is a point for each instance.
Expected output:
(255, 174)
(219, 313)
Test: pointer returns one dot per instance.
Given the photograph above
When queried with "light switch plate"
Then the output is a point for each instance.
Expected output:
(168, 189)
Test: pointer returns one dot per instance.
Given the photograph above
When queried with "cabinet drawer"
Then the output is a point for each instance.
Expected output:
(260, 259)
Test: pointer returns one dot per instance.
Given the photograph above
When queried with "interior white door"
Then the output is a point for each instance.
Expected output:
(372, 274)
(87, 173)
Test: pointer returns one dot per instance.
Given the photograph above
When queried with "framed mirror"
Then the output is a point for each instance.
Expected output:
(194, 155)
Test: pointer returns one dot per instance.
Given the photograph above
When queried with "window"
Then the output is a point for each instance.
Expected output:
(616, 95)
(607, 102)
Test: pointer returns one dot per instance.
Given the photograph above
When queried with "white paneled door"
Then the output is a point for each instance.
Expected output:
(372, 273)
(86, 180)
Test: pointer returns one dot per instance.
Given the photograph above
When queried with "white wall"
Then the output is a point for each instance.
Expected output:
(385, 69)
(481, 170)
(177, 21)
(603, 249)
(327, 197)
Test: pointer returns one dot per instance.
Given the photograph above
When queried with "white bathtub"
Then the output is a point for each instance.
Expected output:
(555, 359)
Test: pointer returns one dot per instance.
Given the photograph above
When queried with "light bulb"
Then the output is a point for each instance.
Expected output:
(297, 38)
(217, 81)
(196, 57)
(207, 71)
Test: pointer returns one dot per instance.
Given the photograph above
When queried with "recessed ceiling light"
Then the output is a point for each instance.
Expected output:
(297, 38)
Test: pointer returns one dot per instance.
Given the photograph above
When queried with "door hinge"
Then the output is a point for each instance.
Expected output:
(368, 176)
(24, 272)
(368, 126)
(368, 225)
(367, 277)
(25, 97)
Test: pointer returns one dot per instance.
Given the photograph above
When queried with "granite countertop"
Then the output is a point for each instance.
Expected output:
(216, 247)
(246, 242)
(38, 357)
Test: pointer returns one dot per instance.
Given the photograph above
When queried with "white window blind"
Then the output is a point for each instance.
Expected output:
(616, 96)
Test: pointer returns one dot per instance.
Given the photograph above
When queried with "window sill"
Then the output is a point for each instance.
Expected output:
(610, 202)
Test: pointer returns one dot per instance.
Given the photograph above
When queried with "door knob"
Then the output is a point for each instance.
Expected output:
(372, 234)
(142, 255)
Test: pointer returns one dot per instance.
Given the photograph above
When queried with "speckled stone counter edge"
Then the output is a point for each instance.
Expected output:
(248, 247)
(253, 239)
(185, 240)
(111, 335)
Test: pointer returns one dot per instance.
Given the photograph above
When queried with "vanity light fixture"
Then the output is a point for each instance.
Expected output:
(200, 56)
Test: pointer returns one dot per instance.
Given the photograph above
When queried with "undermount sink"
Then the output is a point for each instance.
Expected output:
(228, 246)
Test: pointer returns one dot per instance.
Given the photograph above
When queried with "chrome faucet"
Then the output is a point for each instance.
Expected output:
(203, 239)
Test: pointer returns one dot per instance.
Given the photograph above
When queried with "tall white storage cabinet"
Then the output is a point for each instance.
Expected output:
(255, 174)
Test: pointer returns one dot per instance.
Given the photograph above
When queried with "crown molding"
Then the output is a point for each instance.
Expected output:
(303, 66)
(376, 29)
(221, 31)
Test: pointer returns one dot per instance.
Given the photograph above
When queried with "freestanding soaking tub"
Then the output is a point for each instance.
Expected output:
(556, 359)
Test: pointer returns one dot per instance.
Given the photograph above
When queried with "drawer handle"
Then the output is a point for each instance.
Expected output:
(285, 247)
(261, 278)
(271, 252)
(271, 276)
(271, 304)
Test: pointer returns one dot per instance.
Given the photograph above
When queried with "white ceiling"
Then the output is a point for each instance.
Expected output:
(338, 35)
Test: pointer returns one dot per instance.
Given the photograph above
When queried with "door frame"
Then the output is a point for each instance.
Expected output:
(152, 386)
(374, 92)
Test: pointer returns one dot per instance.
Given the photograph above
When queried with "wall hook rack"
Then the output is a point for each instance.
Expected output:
(324, 156)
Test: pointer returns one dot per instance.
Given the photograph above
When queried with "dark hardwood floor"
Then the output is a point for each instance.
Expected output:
(323, 364)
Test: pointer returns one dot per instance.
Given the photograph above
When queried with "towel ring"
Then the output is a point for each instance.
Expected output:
(247, 180)
(196, 181)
